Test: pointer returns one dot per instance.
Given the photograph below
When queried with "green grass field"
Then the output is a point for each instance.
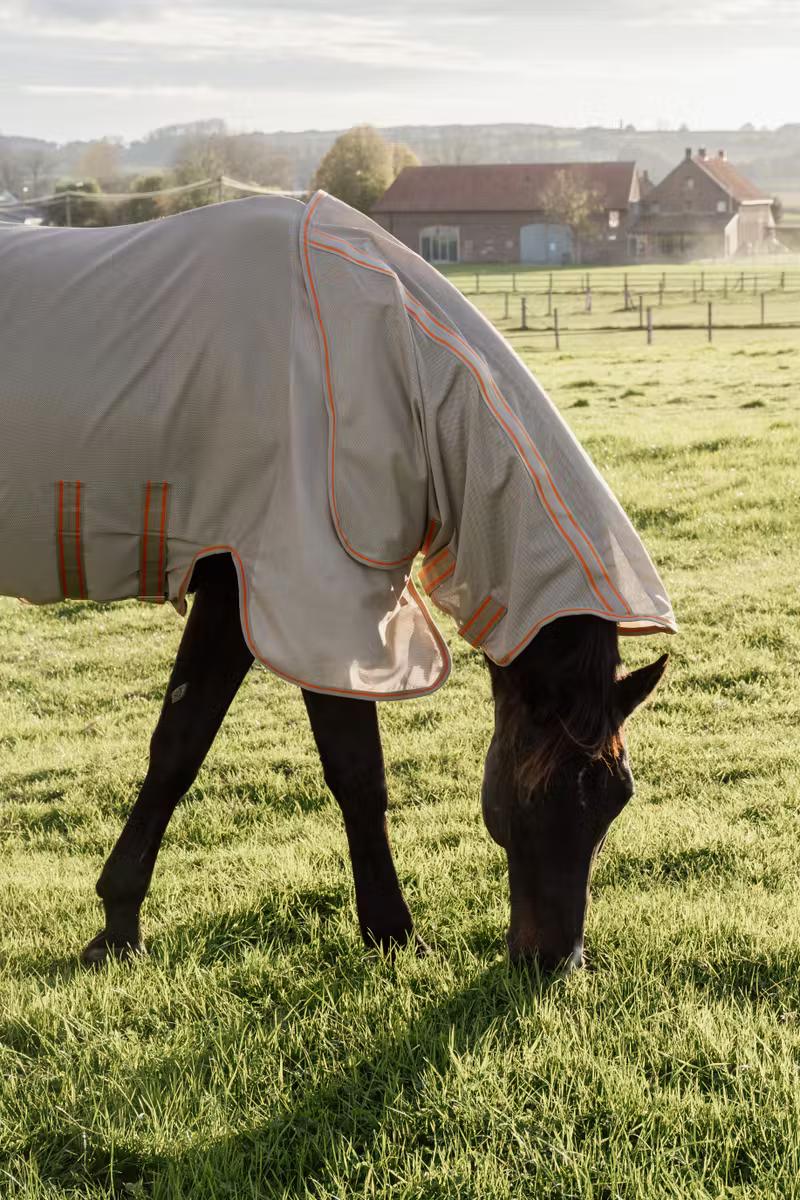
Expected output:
(259, 1052)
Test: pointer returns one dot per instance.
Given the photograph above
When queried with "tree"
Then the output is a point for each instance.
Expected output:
(197, 158)
(74, 211)
(402, 156)
(358, 168)
(250, 159)
(146, 208)
(101, 161)
(246, 157)
(569, 199)
(39, 164)
(11, 171)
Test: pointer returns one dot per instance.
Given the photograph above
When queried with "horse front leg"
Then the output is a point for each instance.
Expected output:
(348, 739)
(212, 661)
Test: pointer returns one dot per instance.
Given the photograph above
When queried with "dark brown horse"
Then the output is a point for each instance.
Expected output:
(556, 775)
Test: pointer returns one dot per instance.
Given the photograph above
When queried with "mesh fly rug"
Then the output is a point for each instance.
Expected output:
(291, 385)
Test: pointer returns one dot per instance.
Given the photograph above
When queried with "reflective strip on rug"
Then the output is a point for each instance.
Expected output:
(153, 553)
(437, 569)
(71, 570)
(483, 620)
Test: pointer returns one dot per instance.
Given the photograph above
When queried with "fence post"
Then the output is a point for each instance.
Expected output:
(641, 311)
(702, 281)
(555, 329)
(694, 291)
(513, 281)
(625, 292)
(763, 306)
(587, 300)
(783, 281)
(725, 288)
(710, 321)
(524, 307)
(649, 325)
(550, 298)
(661, 291)
(477, 282)
(505, 307)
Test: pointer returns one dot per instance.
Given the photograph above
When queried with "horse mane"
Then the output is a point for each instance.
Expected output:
(563, 683)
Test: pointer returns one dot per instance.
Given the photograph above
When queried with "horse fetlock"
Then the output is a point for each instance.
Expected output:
(104, 948)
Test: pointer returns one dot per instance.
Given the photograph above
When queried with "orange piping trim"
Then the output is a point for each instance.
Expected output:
(245, 617)
(329, 390)
(476, 375)
(431, 584)
(479, 637)
(429, 536)
(565, 612)
(537, 482)
(436, 558)
(578, 528)
(474, 616)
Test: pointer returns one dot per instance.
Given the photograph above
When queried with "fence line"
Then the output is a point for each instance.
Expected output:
(218, 181)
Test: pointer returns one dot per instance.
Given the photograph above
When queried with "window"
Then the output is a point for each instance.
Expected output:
(722, 206)
(613, 219)
(690, 185)
(439, 243)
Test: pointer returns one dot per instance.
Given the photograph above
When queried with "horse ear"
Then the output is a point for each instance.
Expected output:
(631, 691)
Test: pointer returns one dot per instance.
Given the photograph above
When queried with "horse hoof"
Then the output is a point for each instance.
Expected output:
(389, 944)
(100, 951)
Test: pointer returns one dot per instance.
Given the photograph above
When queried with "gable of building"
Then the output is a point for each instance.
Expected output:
(702, 184)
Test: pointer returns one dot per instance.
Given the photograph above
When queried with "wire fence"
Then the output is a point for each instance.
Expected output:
(552, 305)
(559, 304)
(220, 184)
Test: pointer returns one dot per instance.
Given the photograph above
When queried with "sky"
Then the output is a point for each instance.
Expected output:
(90, 68)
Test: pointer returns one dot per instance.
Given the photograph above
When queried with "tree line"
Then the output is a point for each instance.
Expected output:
(358, 168)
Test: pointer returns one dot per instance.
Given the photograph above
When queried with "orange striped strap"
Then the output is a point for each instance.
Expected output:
(69, 534)
(430, 534)
(435, 570)
(483, 620)
(153, 548)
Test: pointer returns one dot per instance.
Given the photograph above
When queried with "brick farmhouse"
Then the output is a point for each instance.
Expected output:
(704, 208)
(494, 213)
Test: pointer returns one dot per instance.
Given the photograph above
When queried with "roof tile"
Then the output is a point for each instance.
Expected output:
(501, 187)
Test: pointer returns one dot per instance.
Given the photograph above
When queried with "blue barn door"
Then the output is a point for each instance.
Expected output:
(544, 243)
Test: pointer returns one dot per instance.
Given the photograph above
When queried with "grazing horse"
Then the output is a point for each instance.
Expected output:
(276, 407)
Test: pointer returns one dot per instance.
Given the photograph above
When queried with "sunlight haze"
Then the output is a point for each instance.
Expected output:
(90, 68)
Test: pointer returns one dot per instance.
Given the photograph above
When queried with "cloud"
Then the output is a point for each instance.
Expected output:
(301, 62)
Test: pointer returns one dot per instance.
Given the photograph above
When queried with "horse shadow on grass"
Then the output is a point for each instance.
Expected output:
(296, 1149)
(280, 1154)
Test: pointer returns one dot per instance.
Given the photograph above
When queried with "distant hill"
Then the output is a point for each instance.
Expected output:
(771, 158)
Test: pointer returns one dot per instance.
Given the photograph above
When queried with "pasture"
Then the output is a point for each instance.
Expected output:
(260, 1052)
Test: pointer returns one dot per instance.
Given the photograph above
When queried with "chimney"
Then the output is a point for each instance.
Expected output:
(721, 154)
(688, 151)
(702, 153)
